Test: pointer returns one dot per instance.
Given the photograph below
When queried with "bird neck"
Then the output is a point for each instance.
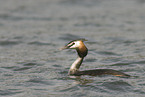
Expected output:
(82, 52)
(76, 65)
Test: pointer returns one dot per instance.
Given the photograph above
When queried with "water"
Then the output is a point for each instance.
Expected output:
(32, 31)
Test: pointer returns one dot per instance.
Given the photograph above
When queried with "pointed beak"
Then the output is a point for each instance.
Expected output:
(65, 47)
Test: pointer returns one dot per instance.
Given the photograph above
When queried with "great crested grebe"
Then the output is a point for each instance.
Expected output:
(82, 52)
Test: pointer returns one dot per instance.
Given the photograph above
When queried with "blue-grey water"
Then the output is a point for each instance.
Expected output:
(32, 31)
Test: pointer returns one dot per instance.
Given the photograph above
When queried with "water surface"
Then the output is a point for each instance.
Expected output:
(32, 31)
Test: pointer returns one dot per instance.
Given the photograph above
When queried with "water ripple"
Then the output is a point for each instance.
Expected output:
(21, 67)
(18, 18)
(9, 43)
(10, 92)
(39, 43)
(69, 37)
(119, 86)
(39, 81)
(108, 53)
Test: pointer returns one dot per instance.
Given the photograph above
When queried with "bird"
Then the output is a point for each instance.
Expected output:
(82, 52)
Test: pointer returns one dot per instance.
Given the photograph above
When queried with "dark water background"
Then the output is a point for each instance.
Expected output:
(32, 31)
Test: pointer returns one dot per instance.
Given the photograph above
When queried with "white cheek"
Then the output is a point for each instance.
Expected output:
(73, 47)
(76, 45)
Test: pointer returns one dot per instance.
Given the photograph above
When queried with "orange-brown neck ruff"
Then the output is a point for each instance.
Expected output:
(82, 50)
